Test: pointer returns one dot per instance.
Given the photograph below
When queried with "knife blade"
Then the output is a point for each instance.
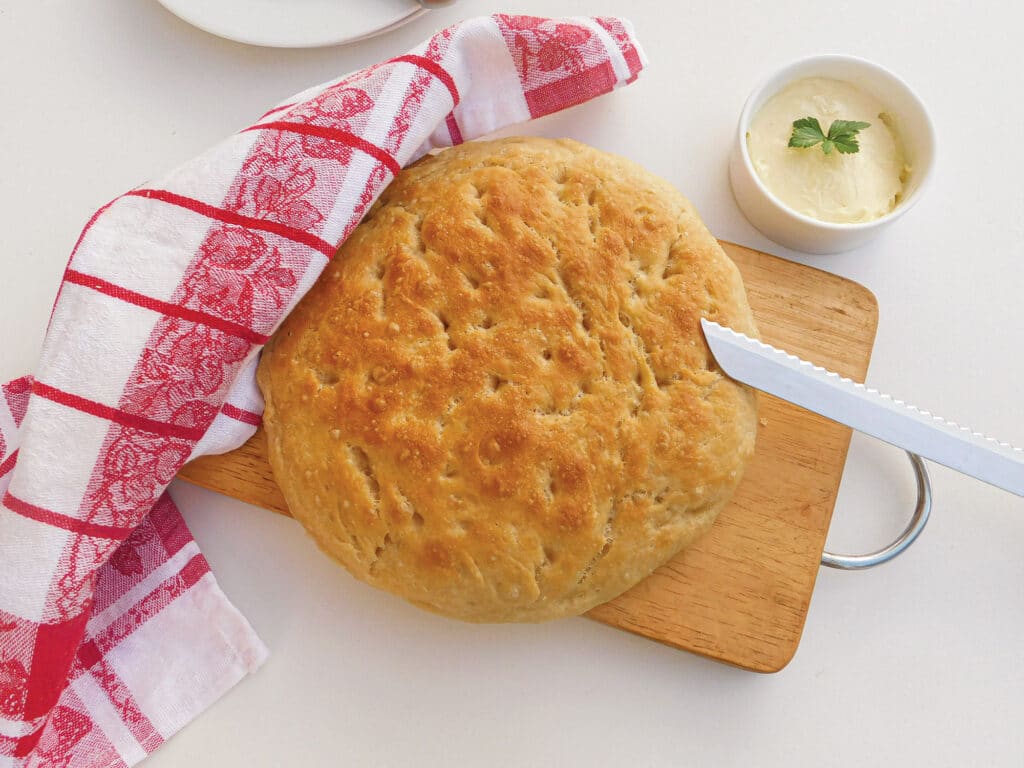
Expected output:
(867, 410)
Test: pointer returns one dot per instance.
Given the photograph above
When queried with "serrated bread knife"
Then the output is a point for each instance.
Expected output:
(867, 410)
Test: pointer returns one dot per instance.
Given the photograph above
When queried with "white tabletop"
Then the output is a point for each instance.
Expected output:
(915, 663)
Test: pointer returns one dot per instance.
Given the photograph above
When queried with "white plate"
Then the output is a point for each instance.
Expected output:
(295, 23)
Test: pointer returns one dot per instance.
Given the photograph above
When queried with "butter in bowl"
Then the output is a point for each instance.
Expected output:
(830, 151)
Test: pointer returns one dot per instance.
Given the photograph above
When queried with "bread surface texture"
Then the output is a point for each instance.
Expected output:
(497, 401)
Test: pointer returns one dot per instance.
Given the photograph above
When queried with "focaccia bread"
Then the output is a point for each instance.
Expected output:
(497, 401)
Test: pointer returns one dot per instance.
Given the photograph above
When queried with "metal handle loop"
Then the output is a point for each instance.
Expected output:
(904, 540)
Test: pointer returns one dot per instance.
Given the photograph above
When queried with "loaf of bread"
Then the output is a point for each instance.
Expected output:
(497, 401)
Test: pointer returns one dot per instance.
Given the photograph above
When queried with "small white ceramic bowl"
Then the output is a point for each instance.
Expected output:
(794, 230)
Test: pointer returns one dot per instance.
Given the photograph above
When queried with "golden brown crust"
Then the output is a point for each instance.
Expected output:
(497, 401)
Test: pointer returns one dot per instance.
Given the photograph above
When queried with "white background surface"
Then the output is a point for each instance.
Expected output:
(917, 663)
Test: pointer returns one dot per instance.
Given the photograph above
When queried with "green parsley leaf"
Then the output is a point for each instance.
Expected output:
(806, 133)
(842, 135)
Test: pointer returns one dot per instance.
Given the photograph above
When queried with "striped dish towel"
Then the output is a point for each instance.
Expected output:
(113, 632)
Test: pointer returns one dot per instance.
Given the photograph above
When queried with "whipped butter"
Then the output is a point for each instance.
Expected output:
(841, 188)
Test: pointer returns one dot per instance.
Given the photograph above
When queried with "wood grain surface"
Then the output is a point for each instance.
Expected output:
(739, 595)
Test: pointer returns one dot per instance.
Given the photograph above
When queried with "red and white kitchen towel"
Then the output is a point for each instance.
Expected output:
(113, 632)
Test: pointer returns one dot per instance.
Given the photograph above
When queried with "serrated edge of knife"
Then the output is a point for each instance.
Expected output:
(870, 390)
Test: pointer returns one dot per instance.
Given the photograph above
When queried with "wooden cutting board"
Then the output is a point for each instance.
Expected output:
(741, 594)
